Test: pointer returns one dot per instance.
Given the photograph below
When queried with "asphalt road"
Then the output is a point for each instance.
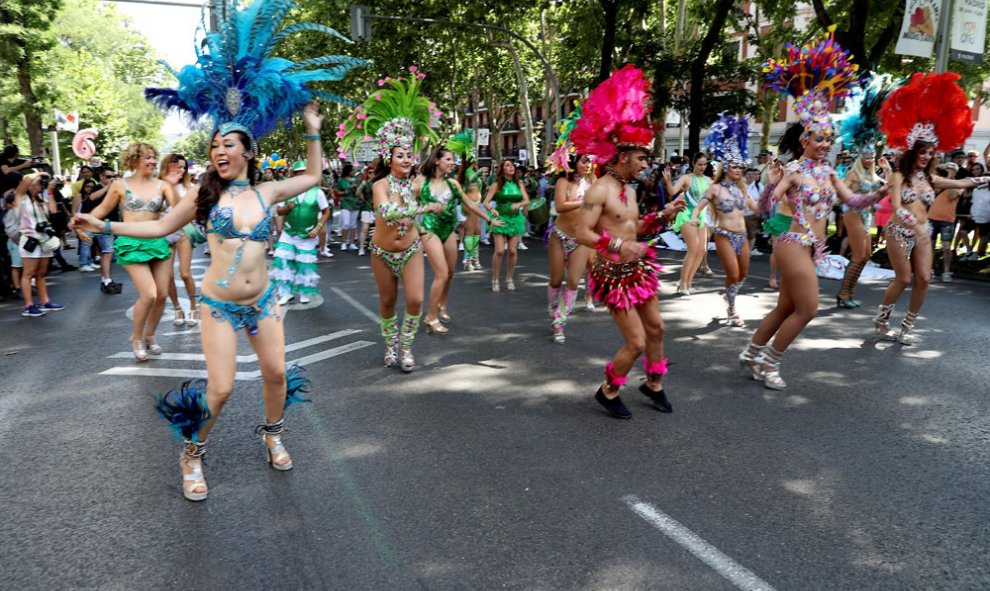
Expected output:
(490, 466)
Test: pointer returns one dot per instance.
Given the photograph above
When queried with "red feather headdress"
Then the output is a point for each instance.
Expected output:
(931, 108)
(615, 115)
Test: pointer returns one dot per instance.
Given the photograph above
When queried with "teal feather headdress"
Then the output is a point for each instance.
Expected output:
(560, 160)
(236, 81)
(395, 115)
(859, 124)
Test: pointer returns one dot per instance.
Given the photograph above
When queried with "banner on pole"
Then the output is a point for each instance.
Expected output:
(67, 121)
(969, 30)
(917, 35)
(484, 136)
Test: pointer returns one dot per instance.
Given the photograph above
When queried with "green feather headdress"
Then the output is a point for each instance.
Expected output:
(462, 144)
(395, 115)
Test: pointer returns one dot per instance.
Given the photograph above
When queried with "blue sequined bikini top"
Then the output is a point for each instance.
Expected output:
(222, 223)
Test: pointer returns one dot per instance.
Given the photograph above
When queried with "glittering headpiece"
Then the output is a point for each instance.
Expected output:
(237, 83)
(462, 144)
(395, 115)
(931, 108)
(815, 75)
(560, 160)
(728, 139)
(615, 115)
(859, 124)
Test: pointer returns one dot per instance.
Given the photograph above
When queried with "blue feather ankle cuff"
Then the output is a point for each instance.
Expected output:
(185, 410)
(296, 383)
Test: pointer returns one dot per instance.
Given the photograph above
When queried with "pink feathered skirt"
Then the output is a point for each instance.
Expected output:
(621, 286)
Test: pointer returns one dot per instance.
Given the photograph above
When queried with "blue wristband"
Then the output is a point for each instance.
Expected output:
(312, 137)
(106, 226)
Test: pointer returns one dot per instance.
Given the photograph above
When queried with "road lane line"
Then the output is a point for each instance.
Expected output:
(372, 316)
(331, 353)
(734, 572)
(244, 358)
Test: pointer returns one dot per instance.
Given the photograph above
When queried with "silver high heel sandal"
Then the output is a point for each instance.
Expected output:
(442, 314)
(180, 317)
(881, 323)
(153, 347)
(749, 362)
(191, 463)
(191, 319)
(140, 354)
(907, 325)
(770, 366)
(276, 454)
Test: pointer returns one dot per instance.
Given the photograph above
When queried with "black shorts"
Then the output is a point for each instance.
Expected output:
(943, 229)
(967, 224)
(983, 229)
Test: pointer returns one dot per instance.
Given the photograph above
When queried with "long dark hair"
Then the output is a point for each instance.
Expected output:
(211, 185)
(463, 168)
(88, 183)
(791, 140)
(500, 178)
(572, 174)
(906, 164)
(429, 168)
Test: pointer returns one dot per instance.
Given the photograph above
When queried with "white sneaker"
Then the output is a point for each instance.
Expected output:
(361, 252)
(460, 247)
(343, 247)
(305, 299)
(755, 253)
(285, 300)
(522, 245)
(486, 242)
(354, 247)
(947, 277)
(589, 305)
(87, 268)
(326, 254)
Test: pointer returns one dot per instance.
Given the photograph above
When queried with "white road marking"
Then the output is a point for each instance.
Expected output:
(372, 316)
(240, 376)
(734, 572)
(243, 358)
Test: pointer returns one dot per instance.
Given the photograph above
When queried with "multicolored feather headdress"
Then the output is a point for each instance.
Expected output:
(728, 139)
(560, 160)
(859, 124)
(816, 75)
(462, 145)
(615, 115)
(236, 81)
(931, 108)
(394, 116)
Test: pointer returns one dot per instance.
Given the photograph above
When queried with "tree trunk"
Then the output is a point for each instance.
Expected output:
(524, 103)
(611, 10)
(698, 72)
(32, 120)
(660, 113)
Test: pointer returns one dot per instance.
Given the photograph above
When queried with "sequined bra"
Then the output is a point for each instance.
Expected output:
(134, 203)
(222, 223)
(910, 195)
(735, 200)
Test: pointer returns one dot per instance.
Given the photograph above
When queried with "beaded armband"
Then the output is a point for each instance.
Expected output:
(863, 200)
(392, 211)
(766, 198)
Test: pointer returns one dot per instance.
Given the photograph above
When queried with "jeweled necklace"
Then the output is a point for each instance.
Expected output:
(402, 188)
(237, 187)
(622, 181)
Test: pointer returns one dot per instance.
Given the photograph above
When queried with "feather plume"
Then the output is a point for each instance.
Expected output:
(185, 409)
(859, 124)
(462, 144)
(616, 113)
(395, 114)
(728, 139)
(560, 159)
(236, 81)
(296, 384)
(931, 107)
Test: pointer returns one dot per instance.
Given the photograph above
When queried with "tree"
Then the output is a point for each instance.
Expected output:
(698, 70)
(25, 35)
(881, 21)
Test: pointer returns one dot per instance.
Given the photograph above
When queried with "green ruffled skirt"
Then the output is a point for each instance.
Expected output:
(140, 250)
(777, 225)
(515, 221)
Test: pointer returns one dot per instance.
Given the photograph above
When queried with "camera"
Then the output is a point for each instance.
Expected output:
(46, 229)
(44, 182)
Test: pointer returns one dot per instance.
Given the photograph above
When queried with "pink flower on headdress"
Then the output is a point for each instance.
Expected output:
(359, 126)
(381, 82)
(378, 96)
(433, 105)
(387, 78)
(342, 127)
(420, 75)
(437, 113)
(362, 116)
(367, 138)
(340, 134)
(413, 68)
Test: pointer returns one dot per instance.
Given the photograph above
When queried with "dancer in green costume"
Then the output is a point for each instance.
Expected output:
(437, 229)
(510, 202)
(693, 185)
(294, 269)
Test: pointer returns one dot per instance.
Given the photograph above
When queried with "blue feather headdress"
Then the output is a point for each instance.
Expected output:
(860, 122)
(237, 83)
(728, 139)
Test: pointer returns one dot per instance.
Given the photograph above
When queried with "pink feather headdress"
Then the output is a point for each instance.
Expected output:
(615, 115)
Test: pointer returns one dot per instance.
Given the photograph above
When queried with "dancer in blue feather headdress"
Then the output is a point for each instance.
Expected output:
(859, 128)
(728, 139)
(247, 93)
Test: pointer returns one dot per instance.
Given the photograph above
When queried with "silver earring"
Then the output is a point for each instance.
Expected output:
(246, 154)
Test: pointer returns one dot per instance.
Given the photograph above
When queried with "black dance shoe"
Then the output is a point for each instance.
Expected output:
(659, 399)
(613, 406)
